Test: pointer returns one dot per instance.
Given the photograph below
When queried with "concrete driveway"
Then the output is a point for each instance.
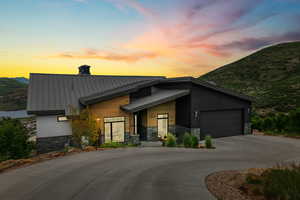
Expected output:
(143, 173)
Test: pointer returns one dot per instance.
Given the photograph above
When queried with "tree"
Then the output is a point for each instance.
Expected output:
(294, 120)
(14, 142)
(268, 124)
(83, 127)
(281, 121)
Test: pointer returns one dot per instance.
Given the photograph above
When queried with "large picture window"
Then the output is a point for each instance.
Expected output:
(114, 129)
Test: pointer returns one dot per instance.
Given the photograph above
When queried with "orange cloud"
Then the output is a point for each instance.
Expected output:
(104, 55)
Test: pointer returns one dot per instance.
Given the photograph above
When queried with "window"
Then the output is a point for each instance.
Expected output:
(162, 125)
(162, 116)
(135, 124)
(114, 129)
(62, 118)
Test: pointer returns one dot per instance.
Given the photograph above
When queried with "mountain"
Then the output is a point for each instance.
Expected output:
(21, 80)
(13, 94)
(271, 76)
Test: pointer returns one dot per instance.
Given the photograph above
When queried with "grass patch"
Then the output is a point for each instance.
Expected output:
(116, 145)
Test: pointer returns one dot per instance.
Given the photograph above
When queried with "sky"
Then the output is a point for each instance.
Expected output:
(139, 37)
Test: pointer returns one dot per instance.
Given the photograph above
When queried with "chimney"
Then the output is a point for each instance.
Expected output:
(84, 70)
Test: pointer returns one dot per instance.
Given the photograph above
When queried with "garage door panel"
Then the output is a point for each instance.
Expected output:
(221, 123)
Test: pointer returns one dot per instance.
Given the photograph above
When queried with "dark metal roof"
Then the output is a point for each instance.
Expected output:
(209, 86)
(57, 93)
(156, 98)
(116, 92)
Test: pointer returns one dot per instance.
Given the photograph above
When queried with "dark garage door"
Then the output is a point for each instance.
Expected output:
(221, 123)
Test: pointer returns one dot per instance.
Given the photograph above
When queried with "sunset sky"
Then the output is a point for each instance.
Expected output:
(139, 37)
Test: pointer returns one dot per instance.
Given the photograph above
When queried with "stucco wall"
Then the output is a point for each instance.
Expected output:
(48, 126)
(111, 108)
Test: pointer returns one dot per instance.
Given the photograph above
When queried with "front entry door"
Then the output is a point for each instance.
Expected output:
(162, 125)
(114, 129)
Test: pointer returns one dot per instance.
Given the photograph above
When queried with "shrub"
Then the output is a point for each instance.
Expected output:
(84, 131)
(171, 140)
(282, 184)
(195, 142)
(288, 123)
(208, 141)
(281, 122)
(14, 142)
(187, 140)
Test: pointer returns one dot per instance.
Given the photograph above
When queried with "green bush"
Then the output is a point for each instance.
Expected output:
(282, 184)
(208, 141)
(171, 140)
(195, 142)
(287, 123)
(14, 142)
(187, 140)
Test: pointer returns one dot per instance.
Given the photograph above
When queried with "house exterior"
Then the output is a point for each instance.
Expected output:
(134, 108)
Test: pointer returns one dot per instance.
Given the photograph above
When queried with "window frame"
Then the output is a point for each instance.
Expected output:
(166, 117)
(111, 122)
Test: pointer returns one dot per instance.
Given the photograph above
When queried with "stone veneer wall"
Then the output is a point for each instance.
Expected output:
(176, 130)
(152, 134)
(48, 144)
(247, 128)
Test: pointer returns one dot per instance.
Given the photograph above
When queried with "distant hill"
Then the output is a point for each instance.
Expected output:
(13, 94)
(271, 75)
(21, 80)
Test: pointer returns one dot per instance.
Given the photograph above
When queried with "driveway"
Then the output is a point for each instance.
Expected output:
(143, 173)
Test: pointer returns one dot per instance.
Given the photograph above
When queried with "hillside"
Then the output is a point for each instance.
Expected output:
(271, 75)
(13, 94)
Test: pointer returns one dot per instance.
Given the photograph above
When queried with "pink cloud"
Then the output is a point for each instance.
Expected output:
(211, 27)
(104, 55)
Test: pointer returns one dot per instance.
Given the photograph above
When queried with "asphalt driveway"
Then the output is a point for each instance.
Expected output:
(143, 173)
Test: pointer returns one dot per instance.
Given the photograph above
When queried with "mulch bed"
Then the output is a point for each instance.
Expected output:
(231, 185)
(13, 164)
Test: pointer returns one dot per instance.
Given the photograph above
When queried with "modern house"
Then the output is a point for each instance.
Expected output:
(134, 108)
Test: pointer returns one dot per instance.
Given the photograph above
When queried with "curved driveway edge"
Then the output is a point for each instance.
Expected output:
(143, 173)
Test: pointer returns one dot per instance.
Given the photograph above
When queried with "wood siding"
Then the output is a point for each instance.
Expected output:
(169, 108)
(111, 108)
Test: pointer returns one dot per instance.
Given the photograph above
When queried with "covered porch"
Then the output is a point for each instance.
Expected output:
(155, 115)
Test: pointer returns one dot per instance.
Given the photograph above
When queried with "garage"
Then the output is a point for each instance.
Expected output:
(221, 123)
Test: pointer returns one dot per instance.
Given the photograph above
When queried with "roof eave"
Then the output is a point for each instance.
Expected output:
(155, 103)
(92, 100)
(45, 112)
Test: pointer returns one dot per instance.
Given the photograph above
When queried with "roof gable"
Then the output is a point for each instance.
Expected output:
(209, 86)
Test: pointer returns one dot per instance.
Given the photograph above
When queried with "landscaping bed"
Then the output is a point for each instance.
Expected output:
(278, 183)
(13, 164)
(187, 141)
